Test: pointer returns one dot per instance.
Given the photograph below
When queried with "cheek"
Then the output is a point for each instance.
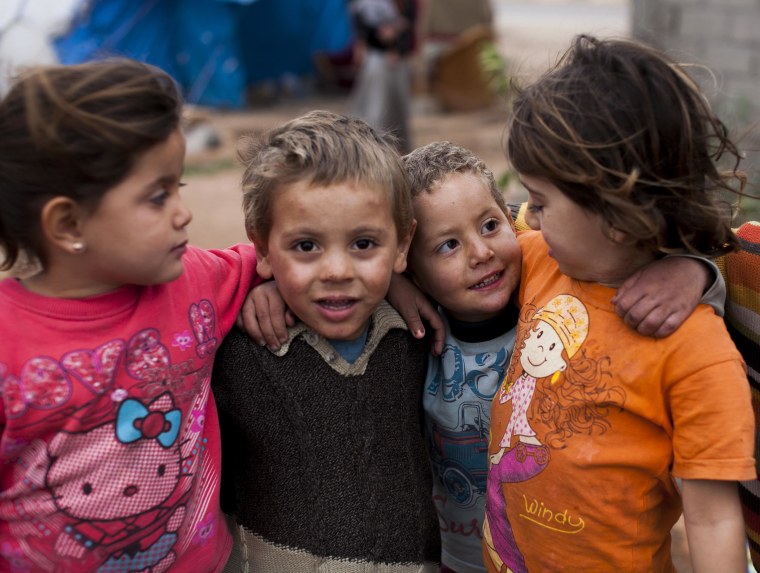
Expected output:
(377, 275)
(435, 280)
(533, 220)
(296, 276)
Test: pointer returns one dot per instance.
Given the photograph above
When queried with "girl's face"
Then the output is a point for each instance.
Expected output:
(137, 234)
(541, 355)
(584, 248)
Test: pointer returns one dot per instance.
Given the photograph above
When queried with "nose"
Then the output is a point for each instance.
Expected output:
(130, 490)
(480, 253)
(336, 266)
(183, 216)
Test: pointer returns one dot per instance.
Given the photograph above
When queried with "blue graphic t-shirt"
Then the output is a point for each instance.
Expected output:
(457, 399)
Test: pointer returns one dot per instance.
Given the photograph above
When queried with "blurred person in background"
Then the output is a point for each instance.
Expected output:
(385, 40)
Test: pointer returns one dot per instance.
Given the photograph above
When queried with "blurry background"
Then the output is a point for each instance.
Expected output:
(246, 65)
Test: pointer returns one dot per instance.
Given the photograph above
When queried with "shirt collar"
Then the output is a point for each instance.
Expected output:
(383, 320)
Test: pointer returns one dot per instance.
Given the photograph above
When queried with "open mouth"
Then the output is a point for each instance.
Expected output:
(489, 280)
(336, 303)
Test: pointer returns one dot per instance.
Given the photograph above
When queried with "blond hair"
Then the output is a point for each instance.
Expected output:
(321, 148)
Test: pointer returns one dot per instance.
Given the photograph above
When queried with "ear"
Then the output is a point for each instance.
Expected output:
(617, 236)
(61, 222)
(399, 265)
(263, 268)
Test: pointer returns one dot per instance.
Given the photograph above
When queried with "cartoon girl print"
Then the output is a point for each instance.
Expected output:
(557, 330)
(550, 349)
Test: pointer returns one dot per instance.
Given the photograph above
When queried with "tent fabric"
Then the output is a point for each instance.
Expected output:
(215, 49)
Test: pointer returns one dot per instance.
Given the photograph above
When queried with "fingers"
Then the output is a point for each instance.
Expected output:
(272, 323)
(247, 321)
(415, 307)
(435, 322)
(670, 324)
(414, 322)
(627, 295)
(265, 316)
(657, 299)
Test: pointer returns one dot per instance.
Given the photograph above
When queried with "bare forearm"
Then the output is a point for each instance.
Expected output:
(714, 526)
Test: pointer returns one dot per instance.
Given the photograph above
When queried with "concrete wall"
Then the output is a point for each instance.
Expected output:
(724, 35)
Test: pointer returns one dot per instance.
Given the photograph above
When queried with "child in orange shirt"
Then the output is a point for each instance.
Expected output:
(601, 437)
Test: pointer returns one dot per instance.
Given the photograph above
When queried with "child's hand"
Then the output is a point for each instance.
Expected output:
(265, 317)
(413, 306)
(658, 298)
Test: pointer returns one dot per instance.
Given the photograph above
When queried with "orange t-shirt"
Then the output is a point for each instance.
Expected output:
(592, 423)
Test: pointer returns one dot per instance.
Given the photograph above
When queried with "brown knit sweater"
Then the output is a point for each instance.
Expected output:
(324, 457)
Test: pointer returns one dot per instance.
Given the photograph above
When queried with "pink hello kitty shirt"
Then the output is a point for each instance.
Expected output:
(110, 451)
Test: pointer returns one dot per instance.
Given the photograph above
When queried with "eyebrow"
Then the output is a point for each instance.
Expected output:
(316, 231)
(531, 190)
(162, 180)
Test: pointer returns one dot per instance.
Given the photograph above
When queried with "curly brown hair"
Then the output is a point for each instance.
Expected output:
(430, 164)
(625, 133)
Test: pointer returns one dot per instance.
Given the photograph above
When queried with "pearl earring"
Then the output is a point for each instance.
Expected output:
(78, 247)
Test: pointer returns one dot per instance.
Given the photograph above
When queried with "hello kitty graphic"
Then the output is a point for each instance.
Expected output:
(117, 486)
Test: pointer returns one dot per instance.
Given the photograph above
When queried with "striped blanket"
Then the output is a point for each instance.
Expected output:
(742, 273)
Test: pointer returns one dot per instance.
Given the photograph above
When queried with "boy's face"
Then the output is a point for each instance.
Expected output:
(465, 254)
(332, 251)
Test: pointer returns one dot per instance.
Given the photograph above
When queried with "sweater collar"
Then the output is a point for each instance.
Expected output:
(383, 320)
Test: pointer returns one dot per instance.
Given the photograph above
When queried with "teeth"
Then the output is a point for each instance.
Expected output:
(490, 280)
(336, 304)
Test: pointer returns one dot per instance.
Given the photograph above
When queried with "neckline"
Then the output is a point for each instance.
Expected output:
(484, 330)
(97, 306)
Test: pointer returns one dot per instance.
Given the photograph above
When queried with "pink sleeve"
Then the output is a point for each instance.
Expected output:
(232, 274)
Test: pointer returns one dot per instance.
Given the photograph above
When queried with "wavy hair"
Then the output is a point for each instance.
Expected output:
(430, 164)
(625, 133)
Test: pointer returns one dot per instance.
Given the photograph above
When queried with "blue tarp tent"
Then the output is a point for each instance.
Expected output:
(214, 48)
